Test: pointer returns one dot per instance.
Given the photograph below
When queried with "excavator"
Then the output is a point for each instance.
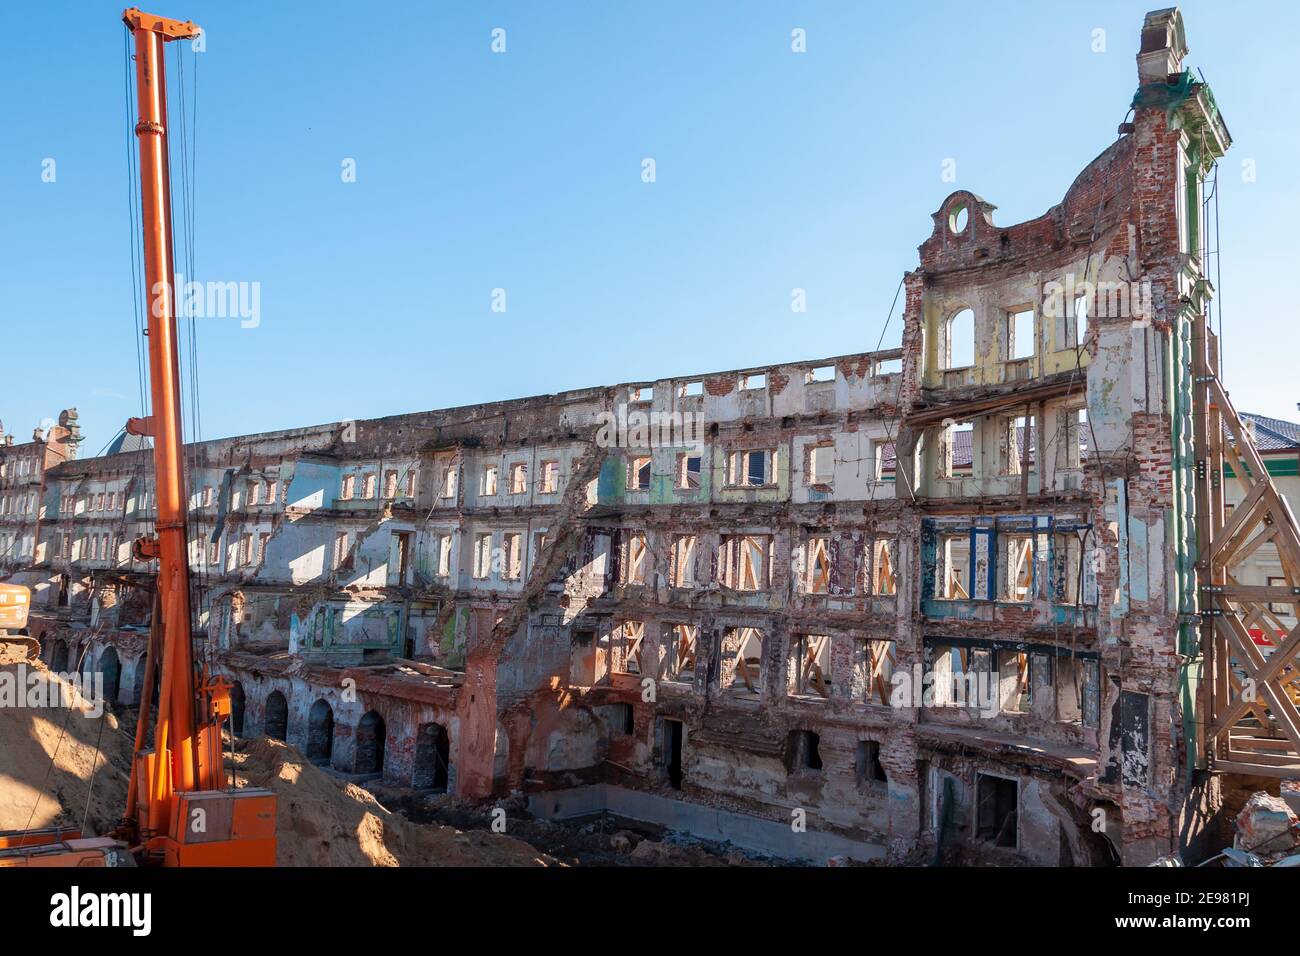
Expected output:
(14, 603)
(179, 811)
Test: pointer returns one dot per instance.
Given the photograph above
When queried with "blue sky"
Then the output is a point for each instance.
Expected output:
(522, 171)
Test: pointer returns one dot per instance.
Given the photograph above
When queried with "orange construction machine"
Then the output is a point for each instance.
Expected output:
(180, 810)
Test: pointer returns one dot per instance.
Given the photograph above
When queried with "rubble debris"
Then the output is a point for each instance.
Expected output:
(1266, 826)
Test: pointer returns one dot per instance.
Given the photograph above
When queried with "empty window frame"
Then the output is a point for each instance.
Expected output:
(443, 559)
(640, 393)
(1078, 329)
(817, 574)
(742, 661)
(1014, 670)
(1020, 336)
(390, 484)
(690, 389)
(874, 662)
(681, 570)
(1016, 445)
(959, 341)
(677, 653)
(637, 559)
(688, 470)
(821, 373)
(753, 382)
(349, 487)
(883, 582)
(342, 553)
(245, 549)
(803, 752)
(997, 802)
(956, 450)
(512, 553)
(868, 769)
(1073, 581)
(820, 466)
(744, 561)
(751, 468)
(369, 485)
(447, 488)
(952, 567)
(488, 488)
(549, 481)
(628, 660)
(482, 555)
(518, 478)
(638, 473)
(810, 665)
(1074, 436)
(1016, 567)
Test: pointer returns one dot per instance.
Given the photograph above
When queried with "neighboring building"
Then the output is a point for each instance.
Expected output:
(765, 614)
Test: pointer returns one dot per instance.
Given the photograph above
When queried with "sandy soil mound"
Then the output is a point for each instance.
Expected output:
(47, 753)
(326, 822)
(46, 756)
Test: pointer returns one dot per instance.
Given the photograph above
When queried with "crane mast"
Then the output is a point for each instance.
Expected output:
(179, 731)
(177, 789)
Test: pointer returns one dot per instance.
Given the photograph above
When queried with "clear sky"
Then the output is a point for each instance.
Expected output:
(522, 171)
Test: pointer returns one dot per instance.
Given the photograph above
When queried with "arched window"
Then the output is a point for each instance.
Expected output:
(369, 756)
(959, 340)
(320, 732)
(277, 716)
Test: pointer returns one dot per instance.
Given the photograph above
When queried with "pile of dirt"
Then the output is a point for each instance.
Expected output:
(47, 755)
(321, 821)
